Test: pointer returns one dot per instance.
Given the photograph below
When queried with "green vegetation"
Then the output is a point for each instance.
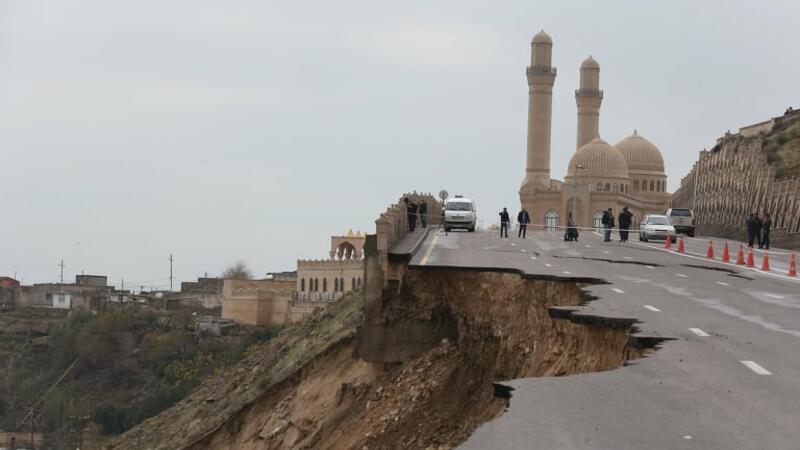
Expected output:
(782, 147)
(126, 366)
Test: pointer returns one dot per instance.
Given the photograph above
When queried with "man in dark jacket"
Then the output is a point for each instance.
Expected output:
(759, 224)
(411, 213)
(505, 220)
(624, 224)
(608, 224)
(523, 218)
(752, 229)
(766, 226)
(423, 213)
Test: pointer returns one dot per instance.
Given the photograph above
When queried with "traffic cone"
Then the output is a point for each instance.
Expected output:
(793, 267)
(740, 256)
(765, 262)
(681, 245)
(668, 242)
(726, 257)
(710, 251)
(751, 262)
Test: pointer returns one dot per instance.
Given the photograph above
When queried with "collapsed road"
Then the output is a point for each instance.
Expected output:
(726, 380)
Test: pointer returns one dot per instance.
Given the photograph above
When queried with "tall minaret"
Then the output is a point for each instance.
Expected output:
(588, 98)
(541, 76)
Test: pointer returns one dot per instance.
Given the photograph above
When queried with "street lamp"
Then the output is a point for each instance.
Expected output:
(578, 167)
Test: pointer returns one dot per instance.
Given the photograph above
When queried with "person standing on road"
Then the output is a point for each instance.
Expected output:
(505, 220)
(751, 229)
(411, 213)
(523, 218)
(608, 224)
(624, 224)
(572, 231)
(759, 224)
(766, 226)
(423, 214)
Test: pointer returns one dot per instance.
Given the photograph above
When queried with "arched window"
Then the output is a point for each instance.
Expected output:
(341, 284)
(335, 285)
(316, 284)
(354, 283)
(302, 285)
(551, 220)
(599, 186)
(652, 185)
(616, 187)
(359, 281)
(608, 186)
(324, 285)
(597, 220)
(635, 185)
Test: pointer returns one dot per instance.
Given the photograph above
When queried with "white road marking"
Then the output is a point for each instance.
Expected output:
(524, 251)
(699, 332)
(722, 283)
(752, 365)
(650, 267)
(779, 297)
(533, 258)
(548, 264)
(687, 437)
(681, 275)
(513, 244)
(425, 258)
(652, 308)
(588, 246)
(605, 252)
(565, 272)
(618, 291)
(627, 257)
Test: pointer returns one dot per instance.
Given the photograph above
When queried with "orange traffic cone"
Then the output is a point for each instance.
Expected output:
(793, 267)
(726, 257)
(740, 256)
(710, 251)
(765, 262)
(668, 242)
(681, 245)
(751, 262)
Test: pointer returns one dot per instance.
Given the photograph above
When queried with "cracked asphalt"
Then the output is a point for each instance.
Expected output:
(728, 378)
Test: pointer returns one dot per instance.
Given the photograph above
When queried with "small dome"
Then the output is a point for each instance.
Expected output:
(599, 160)
(640, 154)
(542, 38)
(590, 63)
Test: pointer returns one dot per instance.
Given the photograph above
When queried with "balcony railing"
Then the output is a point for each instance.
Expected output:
(317, 296)
(588, 93)
(541, 69)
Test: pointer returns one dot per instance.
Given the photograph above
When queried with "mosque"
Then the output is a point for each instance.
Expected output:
(600, 175)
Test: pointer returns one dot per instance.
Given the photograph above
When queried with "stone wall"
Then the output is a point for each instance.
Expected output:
(257, 302)
(735, 179)
(81, 297)
(204, 293)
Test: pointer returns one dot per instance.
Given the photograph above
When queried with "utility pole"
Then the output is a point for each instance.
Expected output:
(62, 271)
(122, 284)
(79, 423)
(31, 415)
(170, 272)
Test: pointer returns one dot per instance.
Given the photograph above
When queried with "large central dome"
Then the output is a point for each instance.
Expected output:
(599, 160)
(641, 154)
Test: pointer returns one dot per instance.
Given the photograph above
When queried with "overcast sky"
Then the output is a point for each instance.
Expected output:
(253, 130)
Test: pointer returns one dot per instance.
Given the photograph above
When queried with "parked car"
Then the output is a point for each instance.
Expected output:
(656, 226)
(682, 219)
(459, 212)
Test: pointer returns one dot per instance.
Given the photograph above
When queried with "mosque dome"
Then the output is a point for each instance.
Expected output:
(640, 154)
(590, 63)
(542, 38)
(600, 160)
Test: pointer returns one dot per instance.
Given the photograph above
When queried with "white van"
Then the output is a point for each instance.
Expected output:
(682, 219)
(459, 212)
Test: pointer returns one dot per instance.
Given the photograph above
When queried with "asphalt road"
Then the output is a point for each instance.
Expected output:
(730, 379)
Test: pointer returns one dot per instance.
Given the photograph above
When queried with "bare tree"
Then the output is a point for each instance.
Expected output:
(237, 271)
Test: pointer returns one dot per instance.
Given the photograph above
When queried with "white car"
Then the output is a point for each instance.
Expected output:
(459, 212)
(656, 226)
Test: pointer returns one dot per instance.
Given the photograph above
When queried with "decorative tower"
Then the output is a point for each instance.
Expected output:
(541, 76)
(589, 97)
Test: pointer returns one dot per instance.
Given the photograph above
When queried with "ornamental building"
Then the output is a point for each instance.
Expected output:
(600, 175)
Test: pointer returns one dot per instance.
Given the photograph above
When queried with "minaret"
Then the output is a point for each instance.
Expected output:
(588, 98)
(541, 76)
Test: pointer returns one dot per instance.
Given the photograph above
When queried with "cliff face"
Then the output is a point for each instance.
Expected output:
(308, 388)
(754, 171)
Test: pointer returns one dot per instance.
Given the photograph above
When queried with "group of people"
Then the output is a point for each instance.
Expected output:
(416, 209)
(625, 221)
(523, 219)
(758, 230)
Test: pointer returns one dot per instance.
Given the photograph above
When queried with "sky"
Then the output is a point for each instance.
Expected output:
(253, 130)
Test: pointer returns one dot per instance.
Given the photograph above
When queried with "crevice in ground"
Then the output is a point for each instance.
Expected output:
(609, 260)
(713, 268)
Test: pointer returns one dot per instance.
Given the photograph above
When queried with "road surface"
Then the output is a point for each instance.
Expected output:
(730, 379)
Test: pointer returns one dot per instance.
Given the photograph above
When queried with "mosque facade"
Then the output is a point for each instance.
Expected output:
(600, 175)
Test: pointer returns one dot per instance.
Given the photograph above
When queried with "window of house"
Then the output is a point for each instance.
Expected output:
(635, 185)
(324, 285)
(652, 185)
(599, 186)
(302, 284)
(608, 186)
